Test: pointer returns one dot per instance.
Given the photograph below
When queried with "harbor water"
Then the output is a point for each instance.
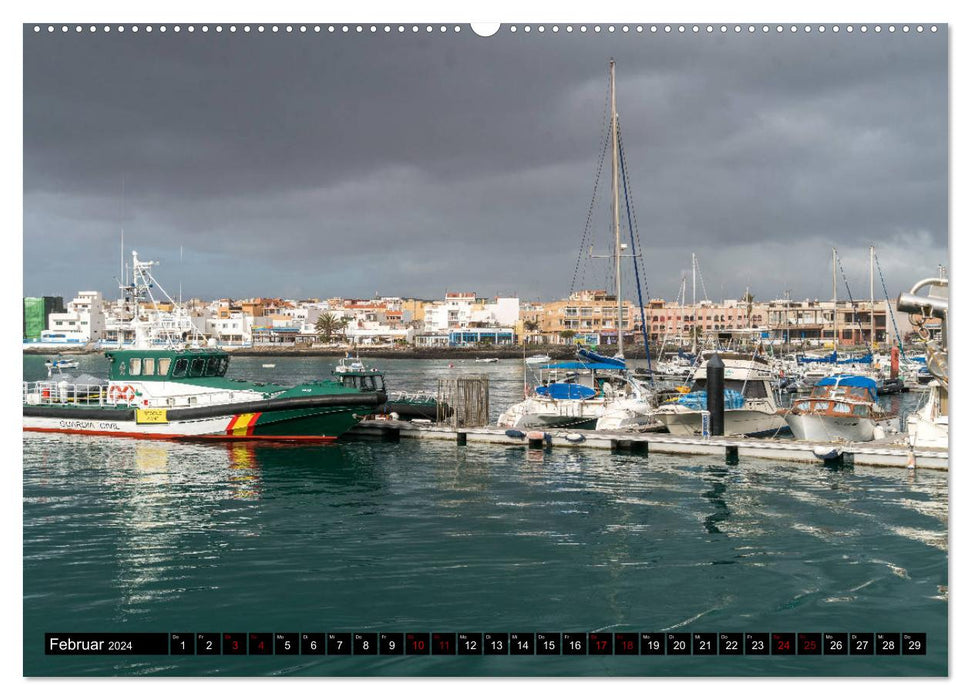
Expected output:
(421, 536)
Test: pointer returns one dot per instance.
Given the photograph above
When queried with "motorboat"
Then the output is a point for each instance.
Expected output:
(59, 364)
(592, 393)
(176, 391)
(841, 408)
(750, 405)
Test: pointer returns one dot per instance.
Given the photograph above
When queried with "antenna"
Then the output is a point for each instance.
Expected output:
(124, 280)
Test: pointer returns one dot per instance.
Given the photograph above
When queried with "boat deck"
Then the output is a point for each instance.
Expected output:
(882, 453)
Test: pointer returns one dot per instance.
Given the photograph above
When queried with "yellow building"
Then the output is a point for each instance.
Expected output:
(589, 316)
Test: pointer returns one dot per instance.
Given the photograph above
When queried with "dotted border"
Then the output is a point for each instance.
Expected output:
(512, 28)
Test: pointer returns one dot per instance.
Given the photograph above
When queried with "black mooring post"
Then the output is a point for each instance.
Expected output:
(715, 386)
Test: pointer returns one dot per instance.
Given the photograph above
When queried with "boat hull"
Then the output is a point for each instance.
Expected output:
(323, 419)
(550, 413)
(826, 428)
(554, 421)
(737, 422)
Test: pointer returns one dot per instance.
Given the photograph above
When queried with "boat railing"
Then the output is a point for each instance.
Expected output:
(61, 393)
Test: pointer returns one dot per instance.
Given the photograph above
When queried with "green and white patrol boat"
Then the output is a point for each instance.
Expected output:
(162, 388)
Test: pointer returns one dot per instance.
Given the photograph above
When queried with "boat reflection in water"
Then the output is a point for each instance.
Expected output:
(178, 515)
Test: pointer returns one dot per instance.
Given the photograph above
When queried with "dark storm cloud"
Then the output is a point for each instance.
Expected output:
(317, 164)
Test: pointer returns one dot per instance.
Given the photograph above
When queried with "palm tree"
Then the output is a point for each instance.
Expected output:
(529, 326)
(327, 326)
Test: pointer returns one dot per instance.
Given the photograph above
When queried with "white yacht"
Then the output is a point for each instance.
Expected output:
(841, 408)
(928, 425)
(584, 396)
(750, 407)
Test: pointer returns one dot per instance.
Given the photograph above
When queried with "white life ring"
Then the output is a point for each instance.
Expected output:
(121, 394)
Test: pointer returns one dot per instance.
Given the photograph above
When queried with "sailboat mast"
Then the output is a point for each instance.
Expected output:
(873, 322)
(616, 189)
(694, 268)
(694, 306)
(835, 322)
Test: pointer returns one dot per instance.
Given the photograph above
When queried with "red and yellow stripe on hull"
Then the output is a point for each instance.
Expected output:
(242, 424)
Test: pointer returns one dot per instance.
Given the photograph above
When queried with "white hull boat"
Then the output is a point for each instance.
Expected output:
(842, 408)
(822, 428)
(737, 422)
(928, 426)
(748, 379)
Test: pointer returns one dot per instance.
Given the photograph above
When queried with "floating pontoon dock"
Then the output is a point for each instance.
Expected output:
(871, 454)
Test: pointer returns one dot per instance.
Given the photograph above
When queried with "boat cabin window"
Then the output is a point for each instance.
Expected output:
(752, 389)
(368, 382)
(841, 407)
(181, 367)
(198, 367)
(212, 367)
(860, 410)
(223, 365)
(148, 366)
(163, 365)
(135, 364)
(755, 390)
(371, 382)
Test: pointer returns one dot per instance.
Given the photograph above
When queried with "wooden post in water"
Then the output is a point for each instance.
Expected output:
(463, 402)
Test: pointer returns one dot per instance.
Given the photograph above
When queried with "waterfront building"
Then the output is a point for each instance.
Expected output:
(588, 316)
(234, 330)
(83, 321)
(462, 318)
(812, 323)
(808, 322)
(486, 335)
(675, 323)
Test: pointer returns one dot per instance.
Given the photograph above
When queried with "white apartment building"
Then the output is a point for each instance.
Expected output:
(84, 319)
(465, 310)
(236, 330)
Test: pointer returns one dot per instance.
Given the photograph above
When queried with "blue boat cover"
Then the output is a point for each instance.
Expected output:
(803, 360)
(832, 359)
(865, 360)
(562, 390)
(698, 400)
(581, 365)
(850, 380)
(592, 356)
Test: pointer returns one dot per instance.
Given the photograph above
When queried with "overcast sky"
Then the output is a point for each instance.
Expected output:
(324, 164)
